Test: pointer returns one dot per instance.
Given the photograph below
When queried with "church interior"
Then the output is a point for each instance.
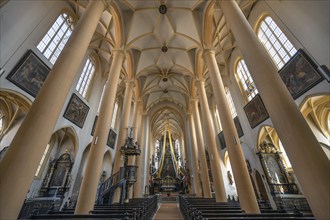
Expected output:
(164, 109)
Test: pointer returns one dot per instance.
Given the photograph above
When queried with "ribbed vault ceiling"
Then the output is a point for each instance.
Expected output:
(164, 76)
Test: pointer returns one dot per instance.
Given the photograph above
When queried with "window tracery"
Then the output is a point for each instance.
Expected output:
(57, 36)
(86, 76)
(274, 40)
(245, 80)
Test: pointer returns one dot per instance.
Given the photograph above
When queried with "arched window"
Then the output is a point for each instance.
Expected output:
(157, 150)
(275, 42)
(245, 80)
(231, 103)
(218, 117)
(86, 76)
(41, 163)
(98, 108)
(54, 41)
(177, 149)
(285, 156)
(114, 115)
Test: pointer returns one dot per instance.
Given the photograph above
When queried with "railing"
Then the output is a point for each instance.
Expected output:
(111, 181)
(284, 188)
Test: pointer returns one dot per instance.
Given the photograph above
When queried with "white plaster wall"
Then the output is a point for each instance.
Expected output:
(5, 142)
(21, 33)
(19, 22)
(306, 23)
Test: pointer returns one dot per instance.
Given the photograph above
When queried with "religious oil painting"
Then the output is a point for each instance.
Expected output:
(76, 111)
(111, 141)
(239, 130)
(222, 140)
(256, 111)
(29, 73)
(300, 74)
(238, 127)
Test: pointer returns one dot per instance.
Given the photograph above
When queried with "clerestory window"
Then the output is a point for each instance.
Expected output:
(276, 43)
(57, 36)
(245, 80)
(86, 77)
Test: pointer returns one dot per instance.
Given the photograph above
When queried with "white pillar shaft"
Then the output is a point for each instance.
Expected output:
(220, 193)
(18, 166)
(94, 162)
(308, 160)
(201, 151)
(123, 127)
(243, 183)
(194, 151)
(139, 175)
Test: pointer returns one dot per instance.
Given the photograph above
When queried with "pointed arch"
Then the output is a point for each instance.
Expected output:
(208, 18)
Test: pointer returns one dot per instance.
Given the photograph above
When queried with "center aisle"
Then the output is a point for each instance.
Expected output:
(168, 211)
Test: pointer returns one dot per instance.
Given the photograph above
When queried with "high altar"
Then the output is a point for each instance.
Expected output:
(170, 176)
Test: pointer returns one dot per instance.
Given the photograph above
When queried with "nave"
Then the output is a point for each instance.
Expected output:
(107, 106)
(176, 207)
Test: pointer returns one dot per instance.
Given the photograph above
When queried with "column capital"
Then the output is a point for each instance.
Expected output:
(118, 51)
(200, 82)
(193, 100)
(208, 52)
(129, 82)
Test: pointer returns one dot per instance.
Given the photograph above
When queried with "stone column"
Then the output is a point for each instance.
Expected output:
(18, 166)
(201, 150)
(123, 133)
(150, 151)
(243, 183)
(219, 188)
(123, 127)
(145, 155)
(87, 193)
(139, 175)
(214, 117)
(308, 160)
(188, 161)
(194, 151)
(136, 117)
(183, 149)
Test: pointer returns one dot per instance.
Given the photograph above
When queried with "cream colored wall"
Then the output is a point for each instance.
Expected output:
(5, 142)
(21, 33)
(297, 19)
(308, 21)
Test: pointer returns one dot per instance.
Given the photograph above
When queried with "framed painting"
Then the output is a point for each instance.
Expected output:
(76, 111)
(238, 127)
(256, 111)
(29, 73)
(300, 74)
(111, 141)
(222, 140)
